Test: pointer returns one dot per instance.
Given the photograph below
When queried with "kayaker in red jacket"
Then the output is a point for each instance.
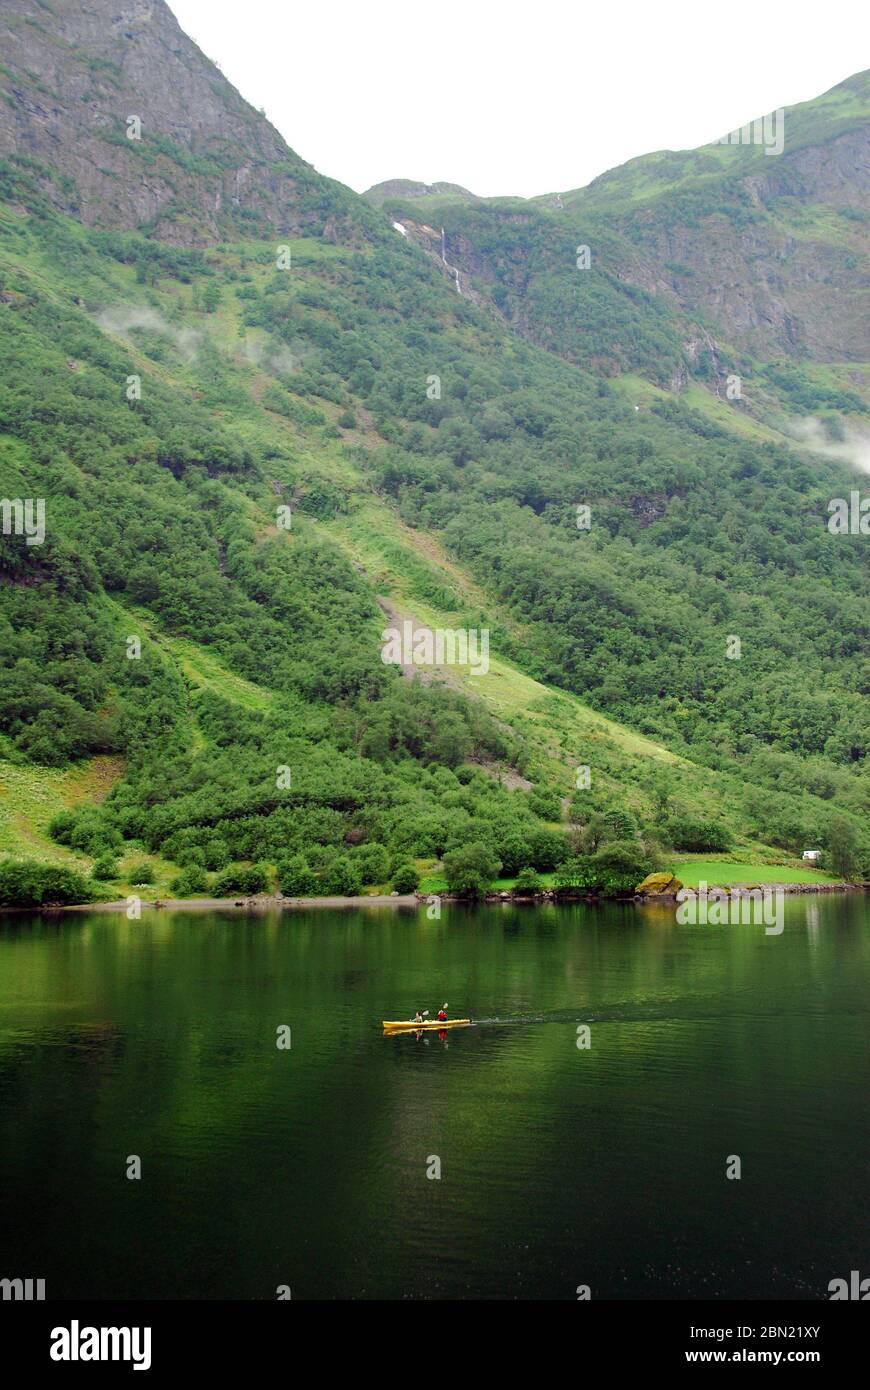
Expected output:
(442, 1014)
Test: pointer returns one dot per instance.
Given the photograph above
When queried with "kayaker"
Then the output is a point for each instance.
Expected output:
(442, 1014)
(418, 1017)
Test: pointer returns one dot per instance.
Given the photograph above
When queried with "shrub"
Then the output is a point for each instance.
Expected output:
(695, 836)
(191, 881)
(142, 873)
(86, 830)
(61, 827)
(545, 805)
(528, 881)
(342, 878)
(576, 875)
(26, 883)
(617, 867)
(373, 863)
(405, 878)
(470, 869)
(242, 881)
(295, 878)
(105, 867)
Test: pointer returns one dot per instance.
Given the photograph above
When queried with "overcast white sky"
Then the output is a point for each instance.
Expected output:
(518, 98)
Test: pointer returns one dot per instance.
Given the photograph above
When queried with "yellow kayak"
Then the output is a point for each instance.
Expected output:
(401, 1025)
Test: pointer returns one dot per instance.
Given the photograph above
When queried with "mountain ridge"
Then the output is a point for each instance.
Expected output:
(783, 250)
(857, 84)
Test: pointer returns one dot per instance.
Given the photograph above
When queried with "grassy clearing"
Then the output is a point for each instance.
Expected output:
(407, 565)
(560, 731)
(199, 665)
(206, 672)
(30, 796)
(691, 872)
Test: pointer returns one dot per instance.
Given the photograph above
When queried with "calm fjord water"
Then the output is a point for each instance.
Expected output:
(559, 1166)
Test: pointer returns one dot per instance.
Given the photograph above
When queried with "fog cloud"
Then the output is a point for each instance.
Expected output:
(853, 446)
(120, 319)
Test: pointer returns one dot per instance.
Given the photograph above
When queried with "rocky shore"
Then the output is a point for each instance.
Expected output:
(655, 888)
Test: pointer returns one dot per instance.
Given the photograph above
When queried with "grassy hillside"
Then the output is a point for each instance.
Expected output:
(274, 441)
(256, 456)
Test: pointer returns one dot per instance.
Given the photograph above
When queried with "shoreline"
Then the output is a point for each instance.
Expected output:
(262, 902)
(267, 902)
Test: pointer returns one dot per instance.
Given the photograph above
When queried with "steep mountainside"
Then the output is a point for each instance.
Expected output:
(265, 430)
(764, 254)
(76, 74)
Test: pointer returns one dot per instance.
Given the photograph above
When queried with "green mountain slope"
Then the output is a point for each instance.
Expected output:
(703, 262)
(255, 462)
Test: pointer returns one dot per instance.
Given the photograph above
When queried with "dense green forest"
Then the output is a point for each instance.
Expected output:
(176, 407)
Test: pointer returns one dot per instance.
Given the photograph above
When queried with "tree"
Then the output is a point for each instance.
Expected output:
(615, 868)
(26, 883)
(342, 878)
(105, 867)
(591, 833)
(242, 881)
(621, 824)
(471, 869)
(406, 878)
(191, 881)
(514, 848)
(215, 854)
(624, 864)
(528, 881)
(546, 847)
(373, 862)
(842, 846)
(696, 835)
(295, 878)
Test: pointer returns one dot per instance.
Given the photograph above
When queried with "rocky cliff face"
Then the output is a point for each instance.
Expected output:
(786, 278)
(78, 78)
(767, 252)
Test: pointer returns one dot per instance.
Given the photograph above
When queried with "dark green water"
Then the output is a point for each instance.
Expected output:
(559, 1167)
